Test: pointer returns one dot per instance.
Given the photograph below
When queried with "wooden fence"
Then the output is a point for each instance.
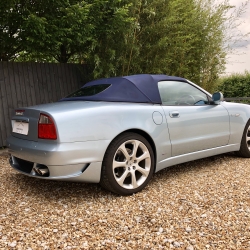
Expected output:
(27, 84)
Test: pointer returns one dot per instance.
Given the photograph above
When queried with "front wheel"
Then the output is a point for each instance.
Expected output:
(245, 142)
(128, 164)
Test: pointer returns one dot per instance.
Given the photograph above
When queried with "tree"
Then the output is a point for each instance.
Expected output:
(58, 30)
(112, 22)
(186, 38)
(235, 85)
(12, 17)
(67, 30)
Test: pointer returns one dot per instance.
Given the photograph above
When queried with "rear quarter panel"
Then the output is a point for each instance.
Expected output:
(105, 121)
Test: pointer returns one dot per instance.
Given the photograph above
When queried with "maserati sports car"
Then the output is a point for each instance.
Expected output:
(119, 131)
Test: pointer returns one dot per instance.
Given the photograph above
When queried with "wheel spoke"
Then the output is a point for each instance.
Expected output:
(135, 147)
(142, 157)
(248, 138)
(134, 182)
(117, 164)
(120, 180)
(124, 151)
(144, 171)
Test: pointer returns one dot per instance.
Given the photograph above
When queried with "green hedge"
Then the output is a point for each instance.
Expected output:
(235, 85)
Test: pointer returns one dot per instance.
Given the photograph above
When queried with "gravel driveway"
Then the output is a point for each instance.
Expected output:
(203, 204)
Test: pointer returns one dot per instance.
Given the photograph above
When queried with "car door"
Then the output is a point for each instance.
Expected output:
(194, 123)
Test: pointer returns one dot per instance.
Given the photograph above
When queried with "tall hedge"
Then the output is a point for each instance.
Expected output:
(235, 85)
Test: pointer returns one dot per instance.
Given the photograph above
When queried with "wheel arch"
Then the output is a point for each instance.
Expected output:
(146, 136)
(244, 145)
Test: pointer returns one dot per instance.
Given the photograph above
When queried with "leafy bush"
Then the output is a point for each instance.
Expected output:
(235, 85)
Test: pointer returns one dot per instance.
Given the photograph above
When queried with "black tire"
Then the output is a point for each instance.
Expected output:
(117, 165)
(245, 144)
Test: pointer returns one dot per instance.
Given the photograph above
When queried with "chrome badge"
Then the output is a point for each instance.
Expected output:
(19, 112)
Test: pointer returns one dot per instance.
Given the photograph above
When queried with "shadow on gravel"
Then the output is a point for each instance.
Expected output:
(55, 190)
(194, 167)
(197, 164)
(59, 190)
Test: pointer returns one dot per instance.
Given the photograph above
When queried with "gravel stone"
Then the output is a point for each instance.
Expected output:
(176, 244)
(12, 244)
(203, 204)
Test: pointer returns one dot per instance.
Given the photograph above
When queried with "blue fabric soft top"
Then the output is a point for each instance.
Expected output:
(141, 88)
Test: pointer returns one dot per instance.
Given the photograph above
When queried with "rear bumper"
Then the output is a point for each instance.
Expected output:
(79, 172)
(79, 161)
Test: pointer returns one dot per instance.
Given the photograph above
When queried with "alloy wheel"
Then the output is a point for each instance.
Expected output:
(131, 164)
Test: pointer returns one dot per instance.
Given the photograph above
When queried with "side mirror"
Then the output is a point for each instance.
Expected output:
(217, 97)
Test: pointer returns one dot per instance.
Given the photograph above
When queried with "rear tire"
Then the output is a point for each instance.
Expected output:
(128, 164)
(245, 142)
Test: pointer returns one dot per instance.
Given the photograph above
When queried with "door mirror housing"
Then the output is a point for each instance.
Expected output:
(217, 97)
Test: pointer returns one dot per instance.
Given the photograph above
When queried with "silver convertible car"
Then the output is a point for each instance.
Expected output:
(119, 131)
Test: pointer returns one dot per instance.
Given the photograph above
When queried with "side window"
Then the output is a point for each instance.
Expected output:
(181, 93)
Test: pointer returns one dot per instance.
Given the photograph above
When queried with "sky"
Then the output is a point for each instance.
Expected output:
(239, 61)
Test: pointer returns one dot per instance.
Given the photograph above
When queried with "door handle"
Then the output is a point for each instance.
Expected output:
(174, 114)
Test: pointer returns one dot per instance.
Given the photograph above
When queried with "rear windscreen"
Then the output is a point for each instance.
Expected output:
(89, 90)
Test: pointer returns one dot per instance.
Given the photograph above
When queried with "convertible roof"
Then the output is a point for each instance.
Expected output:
(141, 88)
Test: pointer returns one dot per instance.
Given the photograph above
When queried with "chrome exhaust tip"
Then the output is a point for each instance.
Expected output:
(41, 170)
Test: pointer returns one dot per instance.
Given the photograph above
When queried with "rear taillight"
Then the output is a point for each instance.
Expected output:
(46, 128)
